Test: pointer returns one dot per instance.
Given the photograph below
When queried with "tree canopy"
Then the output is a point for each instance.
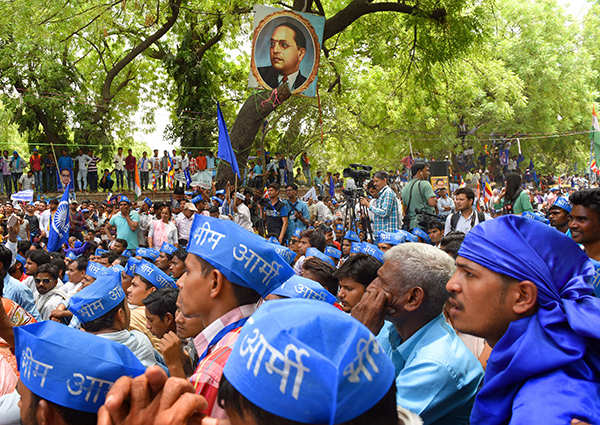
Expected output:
(440, 76)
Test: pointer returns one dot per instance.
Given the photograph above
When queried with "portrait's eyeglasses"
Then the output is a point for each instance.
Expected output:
(45, 281)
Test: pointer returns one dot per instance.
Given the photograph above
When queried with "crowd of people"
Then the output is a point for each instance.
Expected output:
(384, 301)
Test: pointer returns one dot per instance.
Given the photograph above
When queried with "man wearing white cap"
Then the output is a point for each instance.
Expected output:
(184, 220)
(241, 215)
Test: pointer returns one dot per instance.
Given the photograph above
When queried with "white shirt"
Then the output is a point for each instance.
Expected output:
(445, 202)
(184, 225)
(26, 182)
(144, 164)
(185, 162)
(242, 217)
(119, 162)
(323, 213)
(155, 163)
(464, 224)
(49, 301)
(83, 161)
(45, 221)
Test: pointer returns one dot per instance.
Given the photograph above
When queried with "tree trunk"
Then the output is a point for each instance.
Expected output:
(256, 108)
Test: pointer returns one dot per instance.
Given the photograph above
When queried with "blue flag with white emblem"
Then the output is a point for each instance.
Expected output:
(59, 224)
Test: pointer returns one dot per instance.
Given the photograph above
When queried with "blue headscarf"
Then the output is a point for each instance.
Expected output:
(563, 335)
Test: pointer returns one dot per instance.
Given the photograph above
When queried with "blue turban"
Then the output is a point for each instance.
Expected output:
(554, 350)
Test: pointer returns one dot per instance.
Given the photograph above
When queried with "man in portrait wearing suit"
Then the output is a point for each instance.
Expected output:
(288, 47)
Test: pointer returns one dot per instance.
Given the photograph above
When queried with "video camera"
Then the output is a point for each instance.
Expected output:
(359, 172)
(426, 219)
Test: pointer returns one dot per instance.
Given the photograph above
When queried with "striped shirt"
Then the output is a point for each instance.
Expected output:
(385, 211)
(208, 373)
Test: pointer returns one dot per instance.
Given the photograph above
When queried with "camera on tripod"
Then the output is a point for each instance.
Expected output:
(359, 172)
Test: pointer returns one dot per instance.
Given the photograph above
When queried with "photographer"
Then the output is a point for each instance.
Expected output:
(299, 217)
(418, 195)
(385, 207)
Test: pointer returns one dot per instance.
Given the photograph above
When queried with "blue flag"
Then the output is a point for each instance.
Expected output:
(225, 150)
(533, 173)
(188, 177)
(59, 224)
(331, 187)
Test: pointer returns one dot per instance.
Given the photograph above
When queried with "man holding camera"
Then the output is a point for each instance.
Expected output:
(385, 207)
(418, 196)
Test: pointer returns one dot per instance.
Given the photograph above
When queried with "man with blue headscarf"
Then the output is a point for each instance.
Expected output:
(523, 286)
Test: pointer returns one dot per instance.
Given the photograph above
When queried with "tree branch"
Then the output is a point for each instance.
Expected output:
(139, 48)
(212, 41)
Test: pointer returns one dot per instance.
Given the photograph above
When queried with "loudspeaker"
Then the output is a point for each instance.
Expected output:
(439, 168)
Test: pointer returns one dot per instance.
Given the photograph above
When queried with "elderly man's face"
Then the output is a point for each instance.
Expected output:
(389, 282)
(285, 53)
(480, 302)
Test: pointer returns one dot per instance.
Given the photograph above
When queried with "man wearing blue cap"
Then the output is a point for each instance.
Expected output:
(437, 377)
(165, 257)
(65, 374)
(147, 279)
(524, 287)
(560, 215)
(102, 310)
(316, 366)
(126, 223)
(228, 270)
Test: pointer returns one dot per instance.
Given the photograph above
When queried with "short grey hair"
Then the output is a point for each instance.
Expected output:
(424, 266)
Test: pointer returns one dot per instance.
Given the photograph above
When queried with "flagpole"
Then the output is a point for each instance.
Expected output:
(56, 163)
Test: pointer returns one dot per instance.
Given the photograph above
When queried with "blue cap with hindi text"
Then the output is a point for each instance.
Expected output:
(352, 236)
(273, 240)
(301, 287)
(372, 250)
(168, 249)
(71, 368)
(408, 237)
(287, 254)
(339, 227)
(317, 365)
(22, 259)
(333, 252)
(100, 251)
(243, 257)
(124, 198)
(97, 299)
(356, 248)
(197, 198)
(94, 268)
(563, 203)
(296, 233)
(147, 253)
(148, 202)
(390, 238)
(314, 252)
(215, 198)
(420, 233)
(154, 275)
(130, 266)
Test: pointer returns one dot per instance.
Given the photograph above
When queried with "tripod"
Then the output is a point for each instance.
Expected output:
(351, 200)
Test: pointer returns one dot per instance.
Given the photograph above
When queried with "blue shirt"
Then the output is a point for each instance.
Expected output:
(595, 282)
(293, 222)
(65, 162)
(123, 229)
(437, 376)
(21, 294)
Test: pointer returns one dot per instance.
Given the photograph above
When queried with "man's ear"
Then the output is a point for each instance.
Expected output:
(413, 298)
(301, 53)
(526, 298)
(217, 282)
